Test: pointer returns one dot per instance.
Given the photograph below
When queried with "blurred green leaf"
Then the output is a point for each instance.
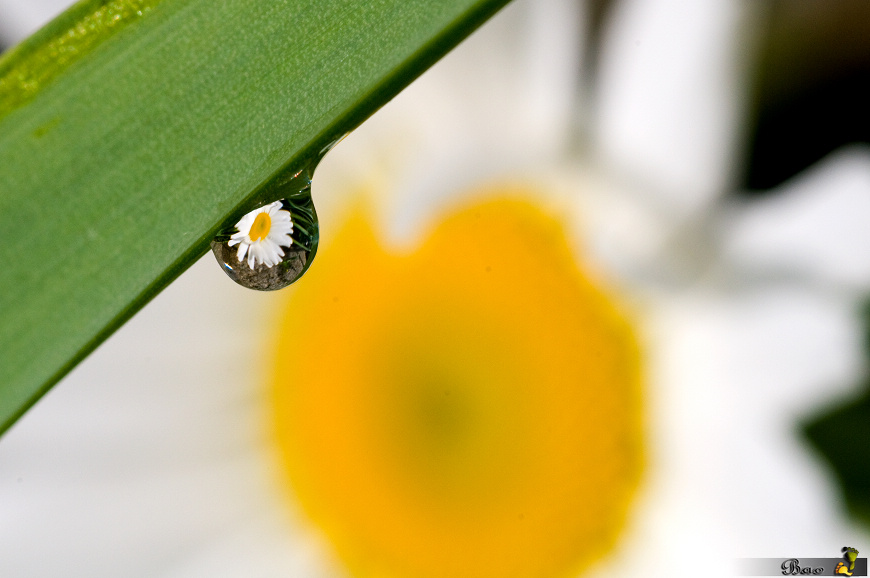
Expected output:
(131, 130)
(842, 436)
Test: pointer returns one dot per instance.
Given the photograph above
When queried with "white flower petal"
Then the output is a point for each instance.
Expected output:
(261, 546)
(281, 227)
(815, 226)
(243, 248)
(150, 451)
(734, 379)
(669, 96)
(20, 19)
(280, 239)
(269, 259)
(244, 226)
(514, 109)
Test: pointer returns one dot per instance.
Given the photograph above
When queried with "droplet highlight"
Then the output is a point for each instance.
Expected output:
(273, 245)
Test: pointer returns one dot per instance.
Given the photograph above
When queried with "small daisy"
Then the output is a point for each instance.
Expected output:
(262, 233)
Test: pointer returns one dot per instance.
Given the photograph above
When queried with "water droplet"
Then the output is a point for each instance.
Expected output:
(271, 246)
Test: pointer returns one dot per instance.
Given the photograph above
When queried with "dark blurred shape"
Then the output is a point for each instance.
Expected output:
(811, 92)
(842, 436)
(597, 12)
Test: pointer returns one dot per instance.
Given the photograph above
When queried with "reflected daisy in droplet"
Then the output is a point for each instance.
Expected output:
(262, 233)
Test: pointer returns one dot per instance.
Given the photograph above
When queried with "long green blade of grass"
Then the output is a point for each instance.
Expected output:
(131, 129)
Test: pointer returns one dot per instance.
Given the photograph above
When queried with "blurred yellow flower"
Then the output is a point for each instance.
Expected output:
(473, 409)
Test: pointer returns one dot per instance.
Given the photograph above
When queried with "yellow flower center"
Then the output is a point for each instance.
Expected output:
(260, 227)
(471, 409)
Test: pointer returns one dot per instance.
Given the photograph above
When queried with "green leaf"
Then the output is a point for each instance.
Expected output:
(842, 436)
(131, 130)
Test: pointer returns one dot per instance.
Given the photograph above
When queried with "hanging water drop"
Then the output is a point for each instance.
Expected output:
(271, 246)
